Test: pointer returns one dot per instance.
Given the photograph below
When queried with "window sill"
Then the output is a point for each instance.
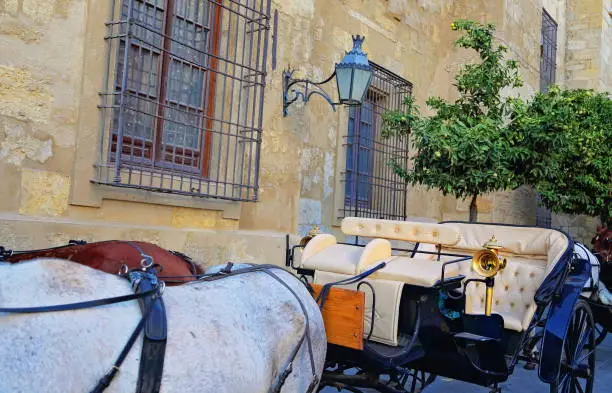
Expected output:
(231, 209)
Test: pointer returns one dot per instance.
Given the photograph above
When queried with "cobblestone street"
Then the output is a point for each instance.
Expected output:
(524, 381)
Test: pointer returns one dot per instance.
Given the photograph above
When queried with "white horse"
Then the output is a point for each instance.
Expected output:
(602, 293)
(232, 335)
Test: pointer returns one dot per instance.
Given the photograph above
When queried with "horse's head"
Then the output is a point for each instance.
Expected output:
(602, 243)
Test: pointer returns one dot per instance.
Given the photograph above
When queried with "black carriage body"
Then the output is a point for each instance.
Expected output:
(436, 349)
(438, 337)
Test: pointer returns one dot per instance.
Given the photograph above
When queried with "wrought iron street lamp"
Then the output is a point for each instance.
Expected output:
(353, 76)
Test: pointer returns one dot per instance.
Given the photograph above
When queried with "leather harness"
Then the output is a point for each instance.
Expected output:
(148, 290)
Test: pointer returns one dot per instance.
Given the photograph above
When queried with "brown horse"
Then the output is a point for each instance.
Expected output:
(602, 243)
(114, 256)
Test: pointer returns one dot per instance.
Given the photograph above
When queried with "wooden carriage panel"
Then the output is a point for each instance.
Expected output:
(343, 314)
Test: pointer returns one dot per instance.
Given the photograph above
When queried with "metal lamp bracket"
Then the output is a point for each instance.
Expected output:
(295, 89)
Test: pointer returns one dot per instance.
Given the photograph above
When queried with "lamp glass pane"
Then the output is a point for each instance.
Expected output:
(361, 82)
(344, 78)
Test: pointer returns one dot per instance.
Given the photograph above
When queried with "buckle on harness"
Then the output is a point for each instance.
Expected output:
(123, 270)
(146, 261)
(227, 269)
(161, 288)
(4, 253)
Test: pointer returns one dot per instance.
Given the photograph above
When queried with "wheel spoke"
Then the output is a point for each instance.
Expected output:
(579, 324)
(601, 334)
(563, 383)
(572, 385)
(567, 350)
(575, 321)
(414, 382)
(577, 354)
(586, 335)
(583, 358)
(580, 390)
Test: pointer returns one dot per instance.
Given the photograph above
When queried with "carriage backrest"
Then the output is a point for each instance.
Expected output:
(533, 243)
(409, 231)
(323, 253)
(531, 254)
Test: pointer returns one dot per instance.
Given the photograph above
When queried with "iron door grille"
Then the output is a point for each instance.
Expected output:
(371, 187)
(548, 52)
(183, 98)
(548, 67)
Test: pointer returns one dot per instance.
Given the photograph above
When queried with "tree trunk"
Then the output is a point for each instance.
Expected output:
(473, 209)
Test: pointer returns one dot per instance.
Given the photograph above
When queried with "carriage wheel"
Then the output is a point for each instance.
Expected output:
(412, 381)
(420, 380)
(577, 368)
(361, 381)
(600, 334)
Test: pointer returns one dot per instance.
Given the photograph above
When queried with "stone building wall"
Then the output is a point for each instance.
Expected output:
(588, 62)
(51, 71)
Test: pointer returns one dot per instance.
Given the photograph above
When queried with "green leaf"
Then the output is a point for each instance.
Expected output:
(559, 142)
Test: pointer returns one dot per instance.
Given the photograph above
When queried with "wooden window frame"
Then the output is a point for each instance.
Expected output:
(154, 150)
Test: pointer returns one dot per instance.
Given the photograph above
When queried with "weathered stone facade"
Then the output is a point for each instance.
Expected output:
(51, 70)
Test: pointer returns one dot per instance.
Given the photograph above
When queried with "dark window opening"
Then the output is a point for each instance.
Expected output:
(548, 68)
(548, 51)
(371, 188)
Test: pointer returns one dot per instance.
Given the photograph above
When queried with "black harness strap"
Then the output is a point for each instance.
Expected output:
(148, 290)
(267, 269)
(106, 380)
(154, 341)
(5, 253)
(187, 259)
(78, 306)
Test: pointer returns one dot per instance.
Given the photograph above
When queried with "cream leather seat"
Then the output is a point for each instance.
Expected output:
(324, 254)
(333, 262)
(415, 271)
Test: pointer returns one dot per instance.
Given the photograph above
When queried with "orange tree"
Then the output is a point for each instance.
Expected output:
(568, 160)
(467, 147)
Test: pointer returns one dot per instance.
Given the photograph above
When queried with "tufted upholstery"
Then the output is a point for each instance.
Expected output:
(531, 253)
(388, 297)
(401, 230)
(323, 253)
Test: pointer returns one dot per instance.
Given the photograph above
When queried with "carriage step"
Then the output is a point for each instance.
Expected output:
(470, 337)
(389, 356)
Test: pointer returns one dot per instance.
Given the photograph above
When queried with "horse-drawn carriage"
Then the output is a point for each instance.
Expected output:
(467, 301)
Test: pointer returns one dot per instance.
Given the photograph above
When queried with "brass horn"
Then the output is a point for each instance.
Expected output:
(487, 264)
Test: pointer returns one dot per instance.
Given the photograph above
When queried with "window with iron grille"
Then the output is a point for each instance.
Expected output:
(548, 67)
(548, 51)
(184, 96)
(371, 188)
